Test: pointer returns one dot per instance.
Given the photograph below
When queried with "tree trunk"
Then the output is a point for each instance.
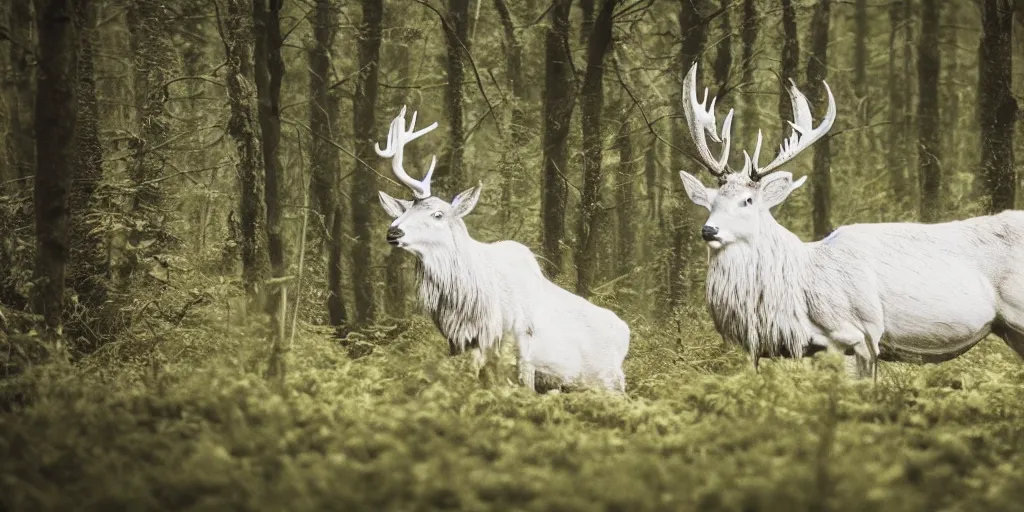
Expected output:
(269, 69)
(244, 129)
(751, 25)
(693, 30)
(997, 105)
(860, 49)
(624, 192)
(586, 20)
(513, 167)
(456, 36)
(21, 140)
(723, 58)
(86, 258)
(55, 115)
(364, 183)
(790, 60)
(591, 104)
(155, 60)
(928, 143)
(953, 88)
(324, 156)
(896, 159)
(817, 67)
(559, 101)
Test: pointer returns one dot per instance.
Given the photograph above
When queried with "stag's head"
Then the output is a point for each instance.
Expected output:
(741, 199)
(426, 222)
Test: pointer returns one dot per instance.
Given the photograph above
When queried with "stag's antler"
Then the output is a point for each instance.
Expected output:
(701, 119)
(802, 137)
(398, 137)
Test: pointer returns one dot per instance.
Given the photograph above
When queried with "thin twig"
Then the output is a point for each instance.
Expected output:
(339, 148)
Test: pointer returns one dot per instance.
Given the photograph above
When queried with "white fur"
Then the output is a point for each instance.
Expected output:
(477, 292)
(914, 292)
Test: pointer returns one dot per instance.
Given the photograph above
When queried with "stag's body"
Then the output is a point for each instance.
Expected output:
(477, 293)
(900, 291)
(480, 292)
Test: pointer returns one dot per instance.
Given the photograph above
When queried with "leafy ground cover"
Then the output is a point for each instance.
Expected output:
(184, 420)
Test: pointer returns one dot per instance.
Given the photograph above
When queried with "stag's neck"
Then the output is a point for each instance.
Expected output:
(462, 293)
(755, 292)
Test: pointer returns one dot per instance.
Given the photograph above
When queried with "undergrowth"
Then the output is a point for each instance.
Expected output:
(179, 417)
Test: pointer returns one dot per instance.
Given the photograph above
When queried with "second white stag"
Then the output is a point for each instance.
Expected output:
(477, 292)
(896, 291)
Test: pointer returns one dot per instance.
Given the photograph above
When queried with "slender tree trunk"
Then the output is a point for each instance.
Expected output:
(907, 120)
(896, 159)
(363, 182)
(456, 34)
(750, 29)
(591, 104)
(952, 87)
(86, 259)
(21, 140)
(586, 20)
(997, 105)
(860, 49)
(723, 58)
(790, 61)
(269, 71)
(929, 152)
(56, 119)
(624, 193)
(817, 68)
(559, 101)
(324, 157)
(244, 129)
(513, 167)
(693, 30)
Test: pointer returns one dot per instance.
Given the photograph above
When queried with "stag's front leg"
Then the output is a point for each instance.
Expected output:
(527, 372)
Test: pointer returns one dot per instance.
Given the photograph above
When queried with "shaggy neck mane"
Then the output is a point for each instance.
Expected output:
(755, 293)
(461, 293)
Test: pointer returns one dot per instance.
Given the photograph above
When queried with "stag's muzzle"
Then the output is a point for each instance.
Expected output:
(394, 233)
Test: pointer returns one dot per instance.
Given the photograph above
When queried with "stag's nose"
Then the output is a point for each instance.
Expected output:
(708, 233)
(394, 233)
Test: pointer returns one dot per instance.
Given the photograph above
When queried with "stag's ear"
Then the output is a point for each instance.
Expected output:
(466, 200)
(394, 207)
(776, 187)
(698, 193)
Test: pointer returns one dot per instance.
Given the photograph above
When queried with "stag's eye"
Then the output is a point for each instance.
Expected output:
(437, 215)
(747, 202)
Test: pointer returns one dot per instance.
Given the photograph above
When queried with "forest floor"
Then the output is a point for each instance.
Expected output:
(181, 418)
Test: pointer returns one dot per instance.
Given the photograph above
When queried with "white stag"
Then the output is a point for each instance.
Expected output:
(892, 291)
(478, 292)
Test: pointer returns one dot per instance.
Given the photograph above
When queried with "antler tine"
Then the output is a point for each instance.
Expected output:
(701, 119)
(803, 136)
(398, 137)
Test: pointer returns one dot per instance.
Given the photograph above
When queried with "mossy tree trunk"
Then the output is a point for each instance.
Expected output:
(559, 101)
(896, 160)
(21, 141)
(244, 129)
(364, 182)
(591, 104)
(451, 176)
(513, 166)
(996, 104)
(928, 135)
(324, 156)
(817, 70)
(269, 71)
(56, 110)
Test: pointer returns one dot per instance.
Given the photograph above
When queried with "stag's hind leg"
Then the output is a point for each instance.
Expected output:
(524, 348)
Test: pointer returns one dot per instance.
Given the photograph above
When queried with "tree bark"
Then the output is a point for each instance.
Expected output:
(817, 68)
(559, 101)
(56, 120)
(860, 49)
(624, 193)
(928, 143)
(591, 104)
(513, 167)
(21, 140)
(586, 20)
(87, 261)
(693, 30)
(364, 183)
(269, 71)
(749, 31)
(790, 62)
(896, 159)
(456, 34)
(244, 129)
(324, 157)
(723, 58)
(997, 105)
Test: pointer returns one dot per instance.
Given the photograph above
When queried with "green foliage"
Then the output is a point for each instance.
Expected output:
(178, 416)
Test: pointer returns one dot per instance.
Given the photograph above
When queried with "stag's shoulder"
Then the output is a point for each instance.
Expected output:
(515, 254)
